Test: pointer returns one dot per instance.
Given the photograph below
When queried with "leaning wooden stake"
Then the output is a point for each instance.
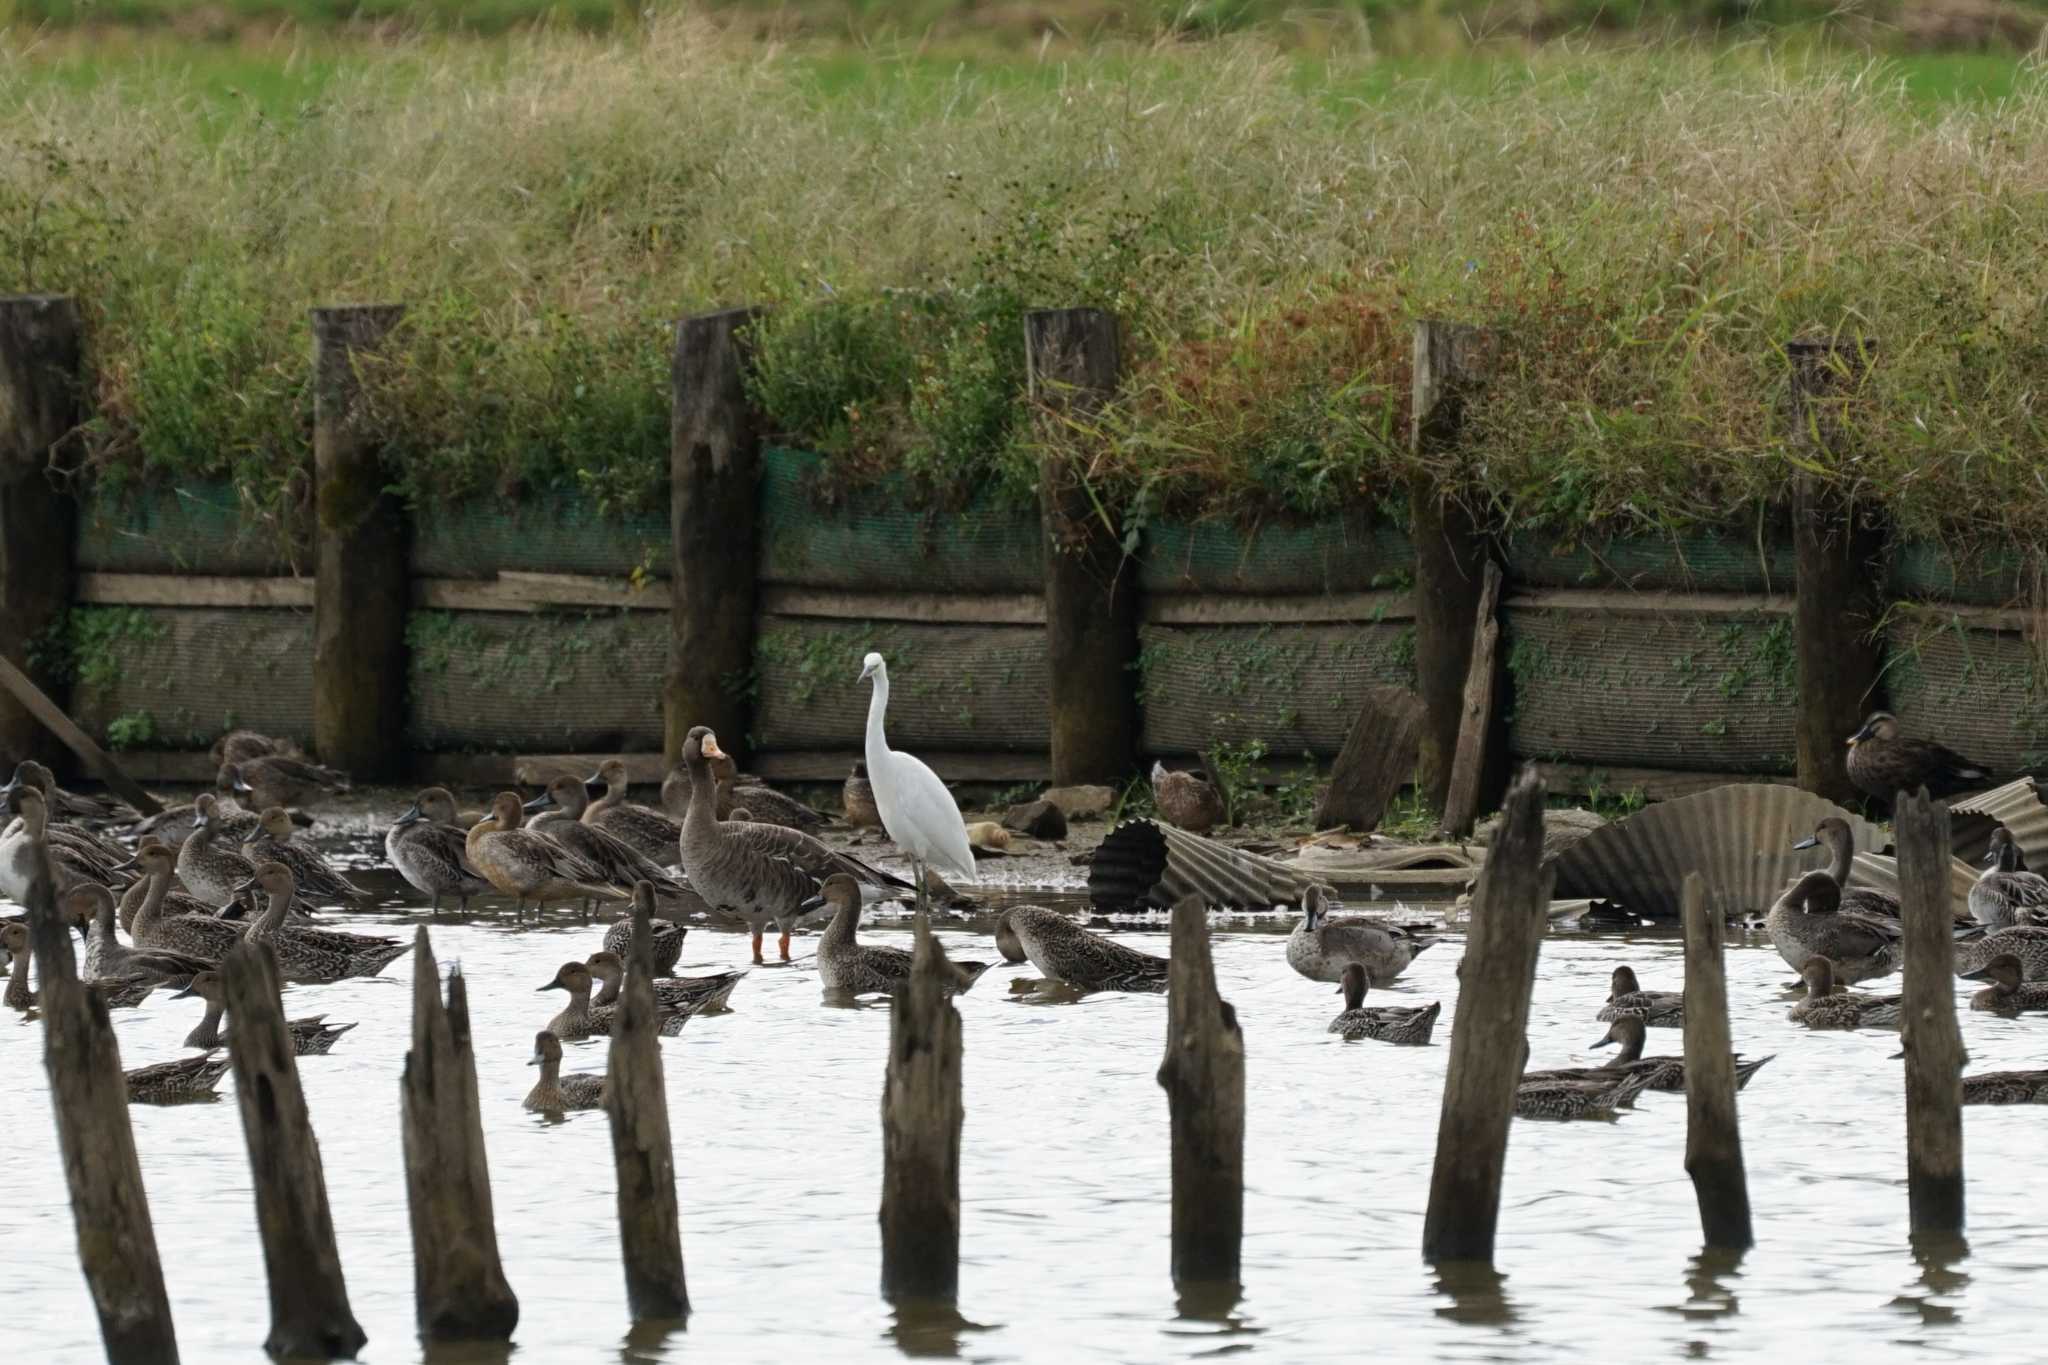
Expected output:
(116, 1241)
(1203, 1073)
(309, 1310)
(636, 1098)
(1933, 1042)
(1713, 1143)
(1476, 727)
(459, 1288)
(1489, 1043)
(33, 700)
(921, 1118)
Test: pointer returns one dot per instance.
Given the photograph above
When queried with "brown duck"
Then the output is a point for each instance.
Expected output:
(1883, 762)
(1186, 799)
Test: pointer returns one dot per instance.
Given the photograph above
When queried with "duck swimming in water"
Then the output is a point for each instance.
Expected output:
(1808, 922)
(2009, 992)
(1320, 947)
(311, 1036)
(1826, 1008)
(1064, 951)
(1627, 999)
(555, 1093)
(1664, 1073)
(2007, 895)
(847, 966)
(1408, 1024)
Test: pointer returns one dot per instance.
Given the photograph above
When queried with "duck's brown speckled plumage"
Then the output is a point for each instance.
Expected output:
(188, 1080)
(1411, 1025)
(647, 831)
(555, 1093)
(429, 850)
(1064, 951)
(1884, 762)
(1187, 799)
(1826, 1008)
(1664, 1073)
(311, 1036)
(849, 967)
(529, 866)
(2009, 992)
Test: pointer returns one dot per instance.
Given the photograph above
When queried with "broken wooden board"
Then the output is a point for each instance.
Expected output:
(1378, 757)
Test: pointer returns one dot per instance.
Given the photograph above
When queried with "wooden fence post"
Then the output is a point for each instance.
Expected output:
(1933, 1042)
(361, 593)
(39, 408)
(714, 510)
(459, 1288)
(1203, 1075)
(1479, 748)
(1490, 1040)
(636, 1100)
(1074, 357)
(922, 1114)
(1451, 361)
(1713, 1142)
(309, 1310)
(1839, 546)
(109, 1207)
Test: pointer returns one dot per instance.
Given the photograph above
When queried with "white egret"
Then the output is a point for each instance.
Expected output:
(916, 809)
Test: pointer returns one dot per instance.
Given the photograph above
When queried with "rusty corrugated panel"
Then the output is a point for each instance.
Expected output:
(1143, 862)
(2017, 805)
(1738, 837)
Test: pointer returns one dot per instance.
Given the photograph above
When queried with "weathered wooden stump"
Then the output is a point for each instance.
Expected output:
(309, 1309)
(1933, 1042)
(459, 1288)
(922, 1114)
(39, 410)
(361, 594)
(714, 476)
(1490, 1039)
(1203, 1075)
(636, 1099)
(1839, 549)
(109, 1207)
(1074, 357)
(1379, 754)
(1713, 1141)
(1478, 723)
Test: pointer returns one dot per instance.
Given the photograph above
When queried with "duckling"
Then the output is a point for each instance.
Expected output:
(312, 956)
(1627, 999)
(558, 815)
(2009, 992)
(311, 1036)
(184, 1081)
(1883, 763)
(555, 1093)
(2006, 894)
(311, 872)
(1320, 947)
(1807, 922)
(1006, 939)
(644, 830)
(2006, 1087)
(429, 851)
(857, 799)
(1064, 951)
(168, 920)
(1187, 799)
(2026, 942)
(579, 1019)
(14, 938)
(760, 873)
(274, 780)
(847, 966)
(1385, 1023)
(678, 998)
(1579, 1099)
(1826, 1008)
(1665, 1073)
(528, 866)
(107, 957)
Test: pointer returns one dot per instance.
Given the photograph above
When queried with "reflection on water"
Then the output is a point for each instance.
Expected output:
(1064, 1179)
(650, 1341)
(469, 1353)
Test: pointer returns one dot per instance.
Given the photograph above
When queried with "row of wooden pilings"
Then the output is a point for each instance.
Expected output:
(1075, 361)
(461, 1290)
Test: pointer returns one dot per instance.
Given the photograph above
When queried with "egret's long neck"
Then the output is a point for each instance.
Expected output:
(878, 705)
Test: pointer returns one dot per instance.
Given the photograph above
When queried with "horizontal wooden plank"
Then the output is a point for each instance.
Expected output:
(528, 770)
(1650, 603)
(993, 609)
(1655, 784)
(1190, 609)
(513, 590)
(192, 590)
(809, 765)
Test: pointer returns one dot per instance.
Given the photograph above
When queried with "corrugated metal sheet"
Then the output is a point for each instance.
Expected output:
(2018, 806)
(1143, 863)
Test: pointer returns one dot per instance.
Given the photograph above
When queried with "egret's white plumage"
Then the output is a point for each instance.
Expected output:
(916, 809)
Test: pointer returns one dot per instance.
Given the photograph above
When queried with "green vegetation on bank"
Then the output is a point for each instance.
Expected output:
(1643, 228)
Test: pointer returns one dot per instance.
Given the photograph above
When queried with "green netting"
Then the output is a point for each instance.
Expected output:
(1753, 561)
(1652, 687)
(199, 528)
(1295, 688)
(1352, 553)
(875, 540)
(1981, 692)
(951, 687)
(541, 681)
(176, 678)
(1928, 571)
(554, 534)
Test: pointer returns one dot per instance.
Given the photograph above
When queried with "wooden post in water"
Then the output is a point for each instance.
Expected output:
(1451, 362)
(1489, 1043)
(1933, 1042)
(636, 1098)
(1713, 1141)
(1203, 1075)
(39, 409)
(922, 1114)
(459, 1288)
(110, 1209)
(1839, 546)
(361, 593)
(1074, 357)
(309, 1311)
(714, 495)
